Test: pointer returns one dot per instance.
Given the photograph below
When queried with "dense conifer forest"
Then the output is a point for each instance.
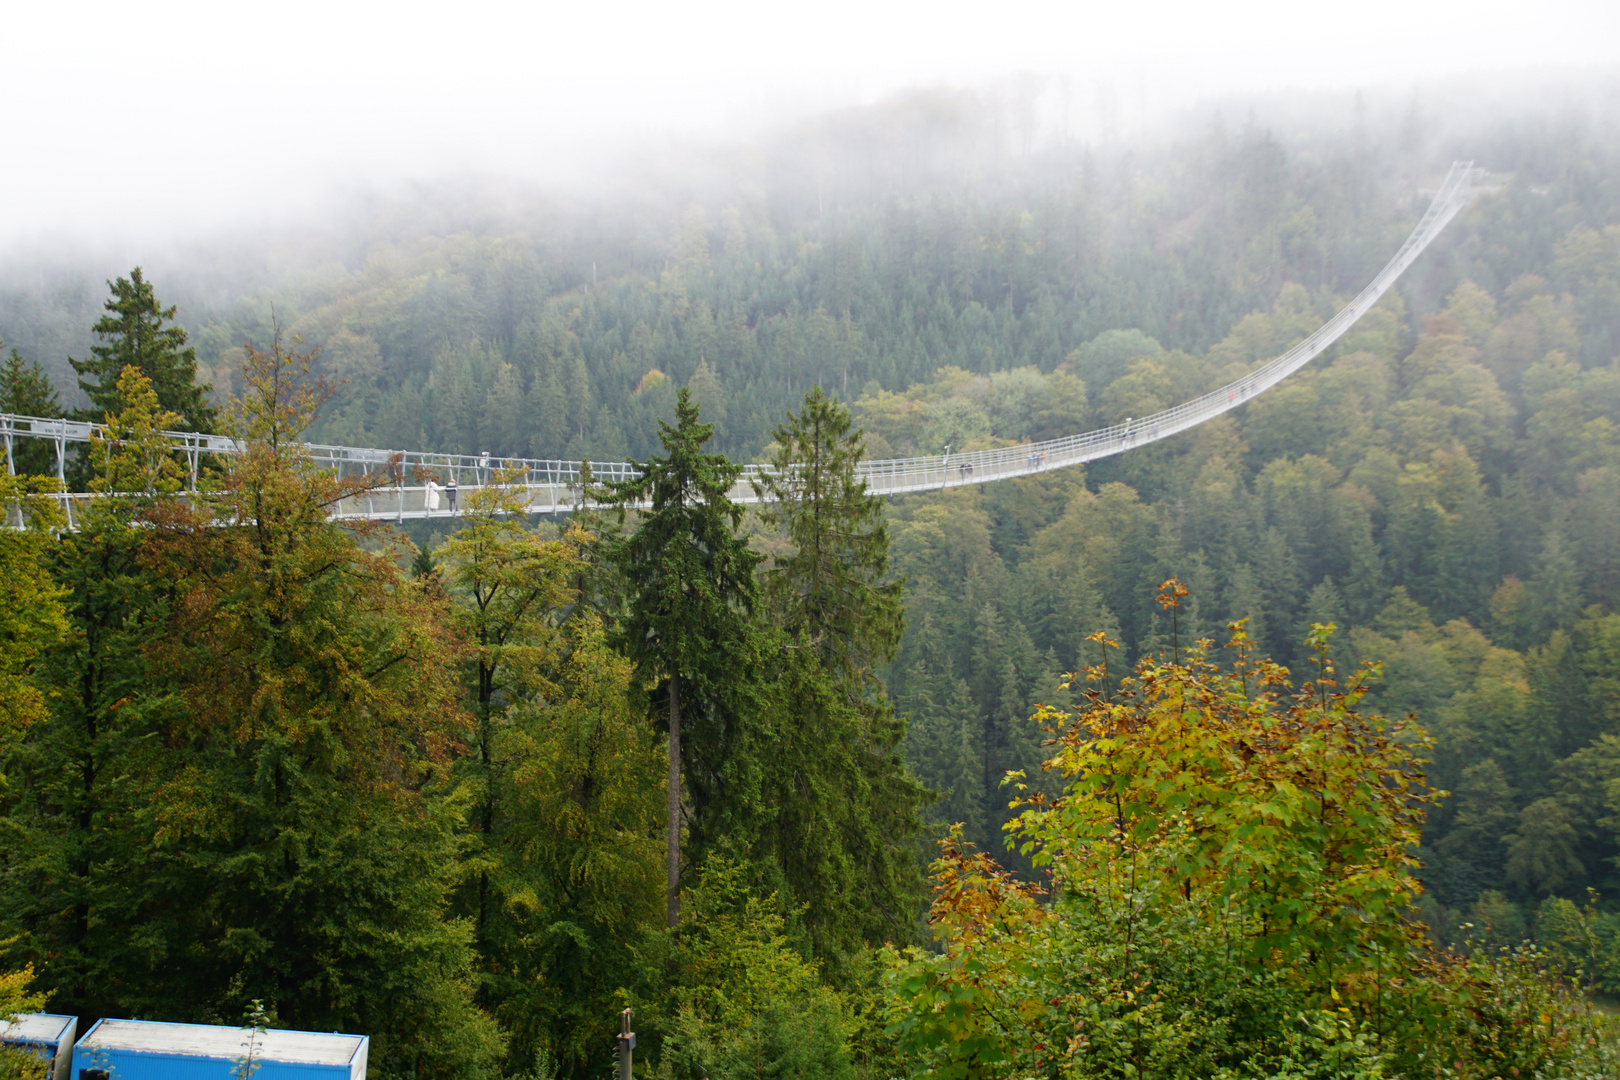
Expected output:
(1287, 747)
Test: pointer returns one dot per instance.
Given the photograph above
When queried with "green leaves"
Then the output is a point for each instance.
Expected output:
(1228, 852)
(31, 616)
(743, 1002)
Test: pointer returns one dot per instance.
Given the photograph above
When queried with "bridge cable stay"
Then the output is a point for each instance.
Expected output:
(554, 486)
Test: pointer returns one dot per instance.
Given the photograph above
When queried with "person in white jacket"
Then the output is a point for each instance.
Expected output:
(432, 496)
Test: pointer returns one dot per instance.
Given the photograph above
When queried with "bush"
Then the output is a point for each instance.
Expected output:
(1231, 894)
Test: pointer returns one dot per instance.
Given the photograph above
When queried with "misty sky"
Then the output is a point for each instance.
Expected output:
(122, 120)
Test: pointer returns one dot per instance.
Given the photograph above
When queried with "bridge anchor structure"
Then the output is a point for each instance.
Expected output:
(555, 486)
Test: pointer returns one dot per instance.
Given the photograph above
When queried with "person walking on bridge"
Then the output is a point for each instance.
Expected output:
(450, 491)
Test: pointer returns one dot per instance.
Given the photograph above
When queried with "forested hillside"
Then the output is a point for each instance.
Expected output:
(863, 252)
(445, 777)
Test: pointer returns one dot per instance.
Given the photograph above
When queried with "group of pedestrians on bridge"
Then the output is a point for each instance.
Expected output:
(449, 489)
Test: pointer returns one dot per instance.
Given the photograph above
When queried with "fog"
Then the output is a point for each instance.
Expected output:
(129, 126)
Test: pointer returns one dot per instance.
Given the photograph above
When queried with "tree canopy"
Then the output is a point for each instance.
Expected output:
(475, 784)
(133, 334)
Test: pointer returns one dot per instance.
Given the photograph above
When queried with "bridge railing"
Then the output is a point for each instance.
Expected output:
(557, 485)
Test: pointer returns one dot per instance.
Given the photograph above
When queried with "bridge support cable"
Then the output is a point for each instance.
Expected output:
(555, 486)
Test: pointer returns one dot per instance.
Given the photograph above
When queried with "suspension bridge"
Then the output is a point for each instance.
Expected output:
(409, 480)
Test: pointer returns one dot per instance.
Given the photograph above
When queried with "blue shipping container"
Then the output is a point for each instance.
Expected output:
(48, 1035)
(147, 1050)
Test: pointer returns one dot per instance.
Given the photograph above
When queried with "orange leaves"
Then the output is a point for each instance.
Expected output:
(285, 629)
(1171, 594)
(973, 896)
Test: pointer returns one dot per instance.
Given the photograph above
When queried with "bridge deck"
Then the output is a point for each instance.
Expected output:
(554, 486)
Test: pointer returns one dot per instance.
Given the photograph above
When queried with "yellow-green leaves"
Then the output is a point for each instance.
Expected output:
(30, 603)
(134, 458)
(1288, 802)
(1228, 879)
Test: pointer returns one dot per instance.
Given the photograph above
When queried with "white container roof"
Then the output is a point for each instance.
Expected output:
(208, 1041)
(35, 1029)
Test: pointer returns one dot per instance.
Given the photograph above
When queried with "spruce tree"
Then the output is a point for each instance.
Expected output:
(25, 389)
(831, 586)
(133, 333)
(688, 625)
(79, 843)
(845, 806)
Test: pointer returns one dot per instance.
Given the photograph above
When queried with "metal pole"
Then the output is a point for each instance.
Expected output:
(627, 1045)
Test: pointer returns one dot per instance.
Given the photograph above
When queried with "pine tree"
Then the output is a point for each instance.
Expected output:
(503, 426)
(1067, 607)
(830, 586)
(1280, 588)
(945, 743)
(1474, 845)
(547, 409)
(1555, 590)
(1244, 600)
(1365, 587)
(1323, 605)
(689, 625)
(133, 333)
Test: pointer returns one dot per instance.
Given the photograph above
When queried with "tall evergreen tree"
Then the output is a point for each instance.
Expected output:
(27, 390)
(307, 837)
(78, 852)
(1474, 846)
(133, 333)
(831, 586)
(688, 624)
(844, 804)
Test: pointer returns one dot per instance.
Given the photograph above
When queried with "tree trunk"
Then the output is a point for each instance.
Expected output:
(674, 799)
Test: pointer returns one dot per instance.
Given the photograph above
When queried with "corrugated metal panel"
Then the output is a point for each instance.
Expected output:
(146, 1050)
(49, 1033)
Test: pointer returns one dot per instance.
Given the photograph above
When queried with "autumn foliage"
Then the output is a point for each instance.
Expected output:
(1231, 886)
